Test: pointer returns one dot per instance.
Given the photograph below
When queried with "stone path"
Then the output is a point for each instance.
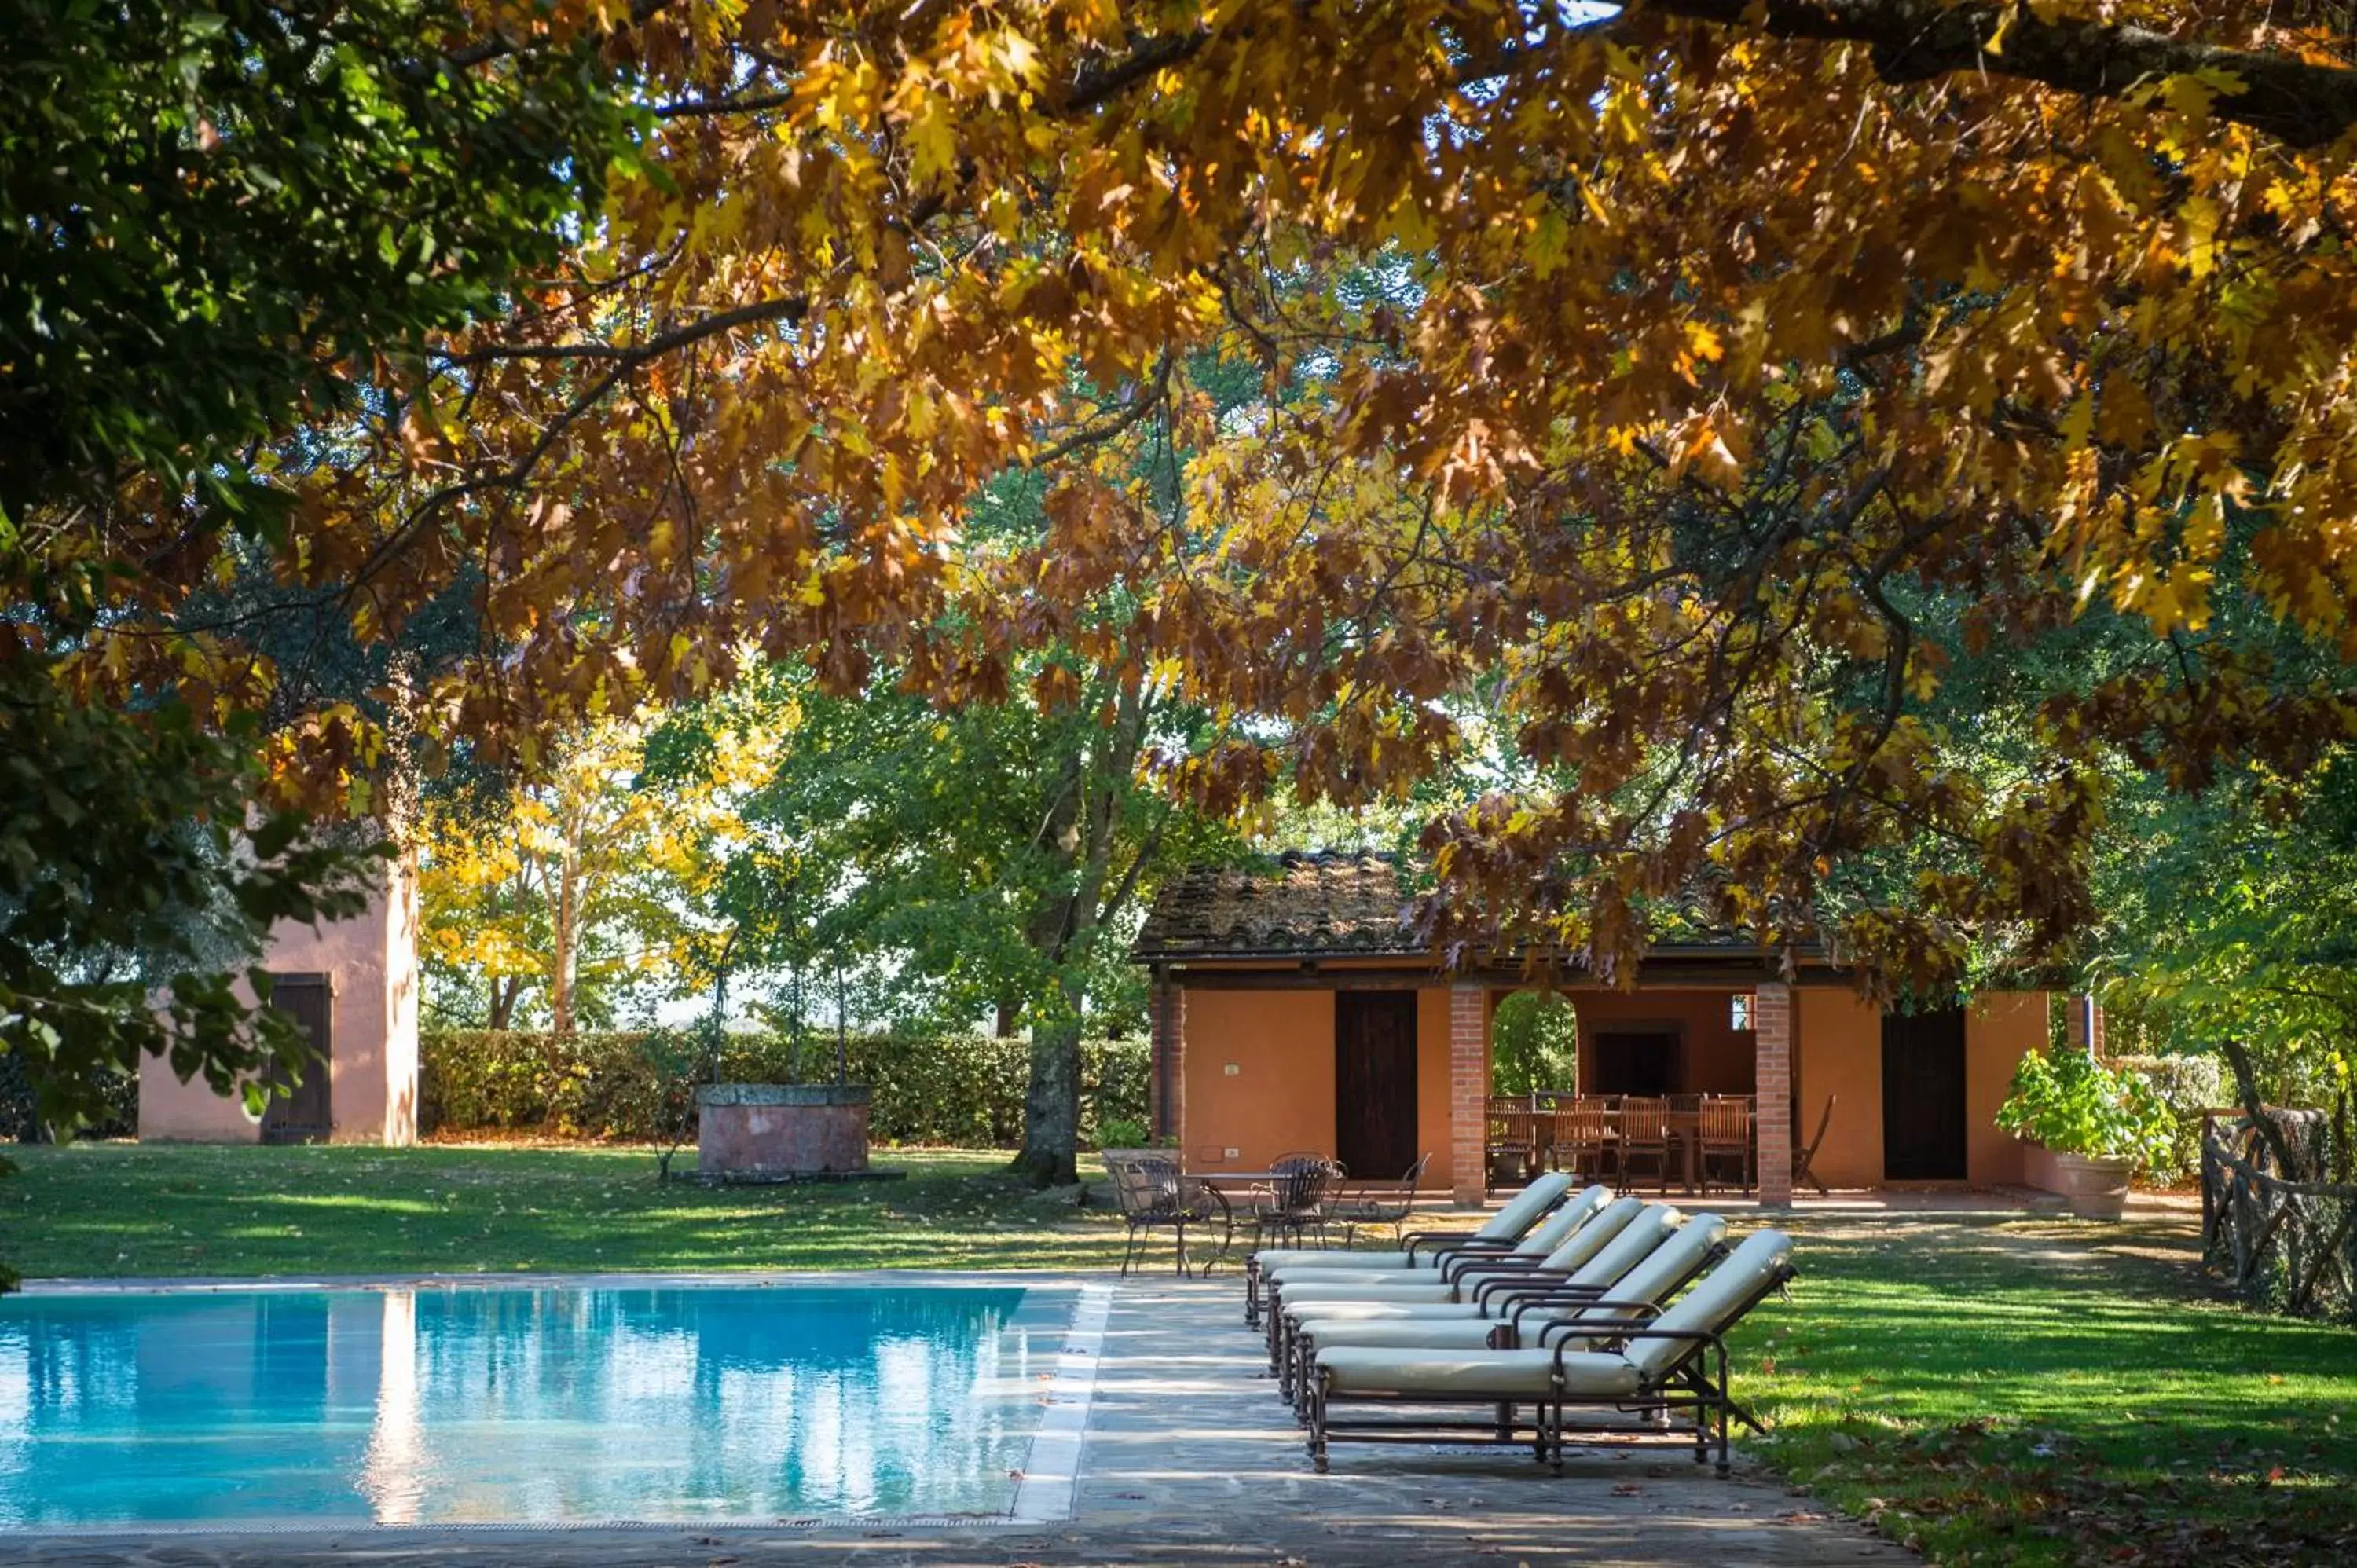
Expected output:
(1189, 1458)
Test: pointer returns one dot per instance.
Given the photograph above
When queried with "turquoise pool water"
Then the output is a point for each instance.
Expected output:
(508, 1404)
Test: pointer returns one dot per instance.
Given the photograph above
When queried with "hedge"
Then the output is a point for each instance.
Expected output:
(960, 1090)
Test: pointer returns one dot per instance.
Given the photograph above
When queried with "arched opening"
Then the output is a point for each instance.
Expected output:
(1534, 1043)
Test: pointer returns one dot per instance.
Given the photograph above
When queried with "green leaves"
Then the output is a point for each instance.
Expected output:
(2073, 1104)
(129, 893)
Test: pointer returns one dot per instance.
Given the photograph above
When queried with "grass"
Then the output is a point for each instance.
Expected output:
(115, 1209)
(2044, 1391)
(2018, 1391)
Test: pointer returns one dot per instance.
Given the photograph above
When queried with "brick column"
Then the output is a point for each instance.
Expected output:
(1469, 1092)
(1772, 1041)
(2077, 1012)
(1166, 1085)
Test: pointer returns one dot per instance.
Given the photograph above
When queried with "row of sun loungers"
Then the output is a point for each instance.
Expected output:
(1564, 1302)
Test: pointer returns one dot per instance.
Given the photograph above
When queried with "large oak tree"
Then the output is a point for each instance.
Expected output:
(1658, 374)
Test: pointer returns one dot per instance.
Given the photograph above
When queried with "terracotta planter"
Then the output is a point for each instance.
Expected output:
(2097, 1186)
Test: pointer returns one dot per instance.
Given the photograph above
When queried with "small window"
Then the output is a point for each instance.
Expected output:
(1738, 1011)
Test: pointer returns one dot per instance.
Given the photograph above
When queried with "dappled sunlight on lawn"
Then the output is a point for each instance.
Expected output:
(2053, 1391)
(325, 1210)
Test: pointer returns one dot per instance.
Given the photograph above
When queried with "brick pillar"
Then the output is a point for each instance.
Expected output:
(2078, 1012)
(1772, 1042)
(1166, 1087)
(1469, 1092)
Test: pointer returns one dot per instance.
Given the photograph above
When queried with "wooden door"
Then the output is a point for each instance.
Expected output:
(1923, 1096)
(1374, 1081)
(1648, 1062)
(306, 1116)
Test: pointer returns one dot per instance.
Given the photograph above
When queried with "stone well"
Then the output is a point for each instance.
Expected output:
(780, 1132)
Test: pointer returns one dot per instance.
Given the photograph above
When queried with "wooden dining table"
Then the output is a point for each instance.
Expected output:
(1683, 1127)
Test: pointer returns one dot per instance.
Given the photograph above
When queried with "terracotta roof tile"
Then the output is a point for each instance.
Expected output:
(1329, 903)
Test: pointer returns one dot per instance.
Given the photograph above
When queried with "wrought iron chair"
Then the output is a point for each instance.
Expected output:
(1644, 1135)
(1154, 1195)
(1725, 1131)
(1375, 1203)
(1294, 1200)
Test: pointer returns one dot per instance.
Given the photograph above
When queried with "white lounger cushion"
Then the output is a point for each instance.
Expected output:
(1405, 1334)
(1668, 1266)
(1314, 1313)
(1544, 1238)
(1583, 1247)
(1530, 1374)
(1474, 1374)
(1714, 1299)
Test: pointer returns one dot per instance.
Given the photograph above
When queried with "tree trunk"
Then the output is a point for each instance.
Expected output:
(1051, 1106)
(504, 992)
(560, 966)
(1007, 1013)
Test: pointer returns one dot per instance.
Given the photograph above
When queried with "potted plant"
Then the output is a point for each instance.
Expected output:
(2099, 1125)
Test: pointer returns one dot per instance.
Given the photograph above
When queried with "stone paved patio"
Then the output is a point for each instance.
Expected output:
(1189, 1458)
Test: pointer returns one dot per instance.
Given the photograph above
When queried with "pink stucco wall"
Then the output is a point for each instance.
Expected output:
(372, 962)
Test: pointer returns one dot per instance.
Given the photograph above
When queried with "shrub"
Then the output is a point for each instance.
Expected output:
(2075, 1106)
(1121, 1132)
(965, 1089)
(20, 1120)
(2187, 1086)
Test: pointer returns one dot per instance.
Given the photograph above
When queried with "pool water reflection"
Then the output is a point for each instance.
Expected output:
(509, 1404)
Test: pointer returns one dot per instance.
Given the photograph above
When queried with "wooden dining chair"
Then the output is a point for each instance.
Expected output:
(1644, 1135)
(1725, 1131)
(1584, 1144)
(1513, 1147)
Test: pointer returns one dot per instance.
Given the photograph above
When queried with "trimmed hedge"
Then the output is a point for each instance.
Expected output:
(2189, 1085)
(960, 1090)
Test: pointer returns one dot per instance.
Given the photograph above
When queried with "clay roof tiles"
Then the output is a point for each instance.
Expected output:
(1324, 904)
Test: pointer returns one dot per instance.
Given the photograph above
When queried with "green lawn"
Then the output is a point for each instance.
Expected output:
(113, 1208)
(2026, 1391)
(2045, 1390)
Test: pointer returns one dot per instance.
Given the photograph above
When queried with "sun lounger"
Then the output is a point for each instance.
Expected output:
(1500, 1232)
(1288, 1297)
(1445, 1263)
(1484, 1303)
(1674, 1363)
(1524, 1316)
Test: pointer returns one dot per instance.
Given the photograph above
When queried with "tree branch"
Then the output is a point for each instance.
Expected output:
(2304, 104)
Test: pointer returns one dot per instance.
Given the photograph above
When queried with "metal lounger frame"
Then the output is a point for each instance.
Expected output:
(1696, 1382)
(1547, 1287)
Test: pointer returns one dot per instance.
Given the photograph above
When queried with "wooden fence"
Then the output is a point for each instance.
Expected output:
(2285, 1244)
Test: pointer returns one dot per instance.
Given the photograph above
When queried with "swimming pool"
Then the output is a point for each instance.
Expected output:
(555, 1405)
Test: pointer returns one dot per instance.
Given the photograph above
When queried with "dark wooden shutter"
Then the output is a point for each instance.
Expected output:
(1374, 1081)
(306, 1116)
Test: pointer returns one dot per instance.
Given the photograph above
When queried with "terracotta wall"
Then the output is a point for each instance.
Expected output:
(372, 962)
(1838, 1040)
(171, 1111)
(1998, 1030)
(1719, 1058)
(1281, 1096)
